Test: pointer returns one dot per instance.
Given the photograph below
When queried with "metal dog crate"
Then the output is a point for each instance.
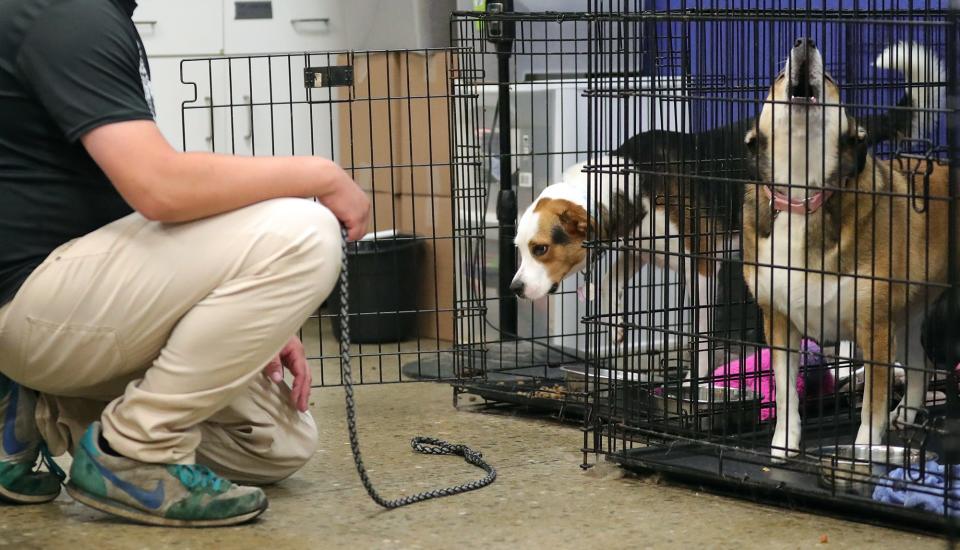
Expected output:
(391, 119)
(713, 422)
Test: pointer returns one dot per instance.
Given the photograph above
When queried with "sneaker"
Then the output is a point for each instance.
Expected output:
(171, 495)
(20, 481)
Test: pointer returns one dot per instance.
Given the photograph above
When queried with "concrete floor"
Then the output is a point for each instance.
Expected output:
(542, 499)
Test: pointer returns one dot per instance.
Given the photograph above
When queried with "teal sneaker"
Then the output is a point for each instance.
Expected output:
(20, 481)
(170, 495)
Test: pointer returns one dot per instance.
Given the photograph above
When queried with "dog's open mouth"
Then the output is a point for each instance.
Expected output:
(805, 73)
(803, 90)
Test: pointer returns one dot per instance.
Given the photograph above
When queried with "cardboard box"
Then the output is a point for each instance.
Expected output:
(369, 136)
(432, 219)
(394, 122)
(384, 212)
(394, 138)
(426, 119)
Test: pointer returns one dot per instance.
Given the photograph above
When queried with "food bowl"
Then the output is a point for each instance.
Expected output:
(856, 468)
(710, 408)
(578, 375)
(643, 371)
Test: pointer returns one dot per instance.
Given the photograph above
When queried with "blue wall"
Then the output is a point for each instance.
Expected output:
(735, 59)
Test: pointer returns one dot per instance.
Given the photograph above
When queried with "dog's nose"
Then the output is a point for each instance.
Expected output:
(516, 287)
(804, 41)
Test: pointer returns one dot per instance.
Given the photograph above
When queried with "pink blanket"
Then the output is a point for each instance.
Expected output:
(759, 378)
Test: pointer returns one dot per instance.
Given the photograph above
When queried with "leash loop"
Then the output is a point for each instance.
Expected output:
(420, 444)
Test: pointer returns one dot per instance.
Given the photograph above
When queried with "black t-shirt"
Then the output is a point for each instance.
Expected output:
(66, 67)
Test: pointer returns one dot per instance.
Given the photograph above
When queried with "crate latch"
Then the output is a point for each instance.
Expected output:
(328, 77)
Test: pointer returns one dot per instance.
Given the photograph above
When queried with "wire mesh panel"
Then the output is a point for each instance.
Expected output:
(390, 118)
(790, 170)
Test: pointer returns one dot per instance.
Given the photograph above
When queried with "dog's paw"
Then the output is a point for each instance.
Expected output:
(779, 455)
(785, 444)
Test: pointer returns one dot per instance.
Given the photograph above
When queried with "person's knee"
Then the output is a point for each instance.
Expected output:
(312, 234)
(326, 249)
(303, 445)
(268, 450)
(298, 446)
(298, 217)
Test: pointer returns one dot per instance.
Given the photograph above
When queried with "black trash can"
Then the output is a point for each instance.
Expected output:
(384, 276)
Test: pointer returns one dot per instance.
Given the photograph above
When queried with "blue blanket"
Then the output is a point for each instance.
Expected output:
(928, 492)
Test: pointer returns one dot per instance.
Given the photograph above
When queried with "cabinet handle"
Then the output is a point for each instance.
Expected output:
(151, 24)
(324, 20)
(249, 101)
(209, 139)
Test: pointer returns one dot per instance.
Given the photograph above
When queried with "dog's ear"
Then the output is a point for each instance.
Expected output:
(856, 131)
(750, 140)
(858, 140)
(575, 220)
(571, 216)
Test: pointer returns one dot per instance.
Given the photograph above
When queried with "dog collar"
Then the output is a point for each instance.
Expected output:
(781, 202)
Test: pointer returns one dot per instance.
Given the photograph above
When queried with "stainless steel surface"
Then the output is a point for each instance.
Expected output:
(710, 408)
(646, 368)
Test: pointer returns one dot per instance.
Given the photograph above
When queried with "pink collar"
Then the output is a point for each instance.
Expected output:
(781, 202)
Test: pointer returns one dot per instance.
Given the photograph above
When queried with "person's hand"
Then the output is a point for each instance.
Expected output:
(294, 360)
(347, 202)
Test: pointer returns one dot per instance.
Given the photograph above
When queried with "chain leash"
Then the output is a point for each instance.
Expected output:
(424, 445)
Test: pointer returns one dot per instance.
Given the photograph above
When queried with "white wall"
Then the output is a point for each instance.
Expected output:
(399, 24)
(536, 5)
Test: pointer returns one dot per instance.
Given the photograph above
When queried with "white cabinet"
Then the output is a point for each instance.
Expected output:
(295, 26)
(168, 94)
(399, 24)
(270, 114)
(228, 105)
(189, 95)
(180, 27)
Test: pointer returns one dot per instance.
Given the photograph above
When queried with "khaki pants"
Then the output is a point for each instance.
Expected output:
(162, 331)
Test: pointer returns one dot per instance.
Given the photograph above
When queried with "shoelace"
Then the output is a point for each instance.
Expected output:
(52, 465)
(195, 476)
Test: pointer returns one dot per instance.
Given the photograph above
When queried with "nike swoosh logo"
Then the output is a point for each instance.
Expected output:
(12, 445)
(149, 499)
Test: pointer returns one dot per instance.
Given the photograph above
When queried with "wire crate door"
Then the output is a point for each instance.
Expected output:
(387, 117)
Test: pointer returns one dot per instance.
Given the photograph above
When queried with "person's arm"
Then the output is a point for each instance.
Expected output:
(169, 186)
(83, 63)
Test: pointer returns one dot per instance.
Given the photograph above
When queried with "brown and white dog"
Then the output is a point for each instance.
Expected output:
(652, 218)
(833, 247)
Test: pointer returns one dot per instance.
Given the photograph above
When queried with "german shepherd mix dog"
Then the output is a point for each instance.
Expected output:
(833, 247)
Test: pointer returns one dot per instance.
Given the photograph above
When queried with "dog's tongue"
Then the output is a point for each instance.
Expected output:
(790, 200)
(582, 291)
